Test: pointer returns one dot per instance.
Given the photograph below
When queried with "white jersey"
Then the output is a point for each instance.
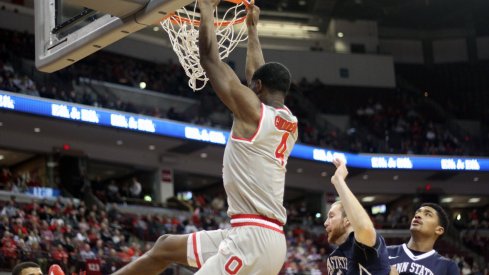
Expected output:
(254, 169)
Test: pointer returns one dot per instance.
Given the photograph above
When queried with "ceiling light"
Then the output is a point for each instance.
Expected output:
(1, 157)
(447, 200)
(142, 85)
(365, 177)
(396, 177)
(203, 155)
(340, 34)
(151, 147)
(155, 28)
(459, 217)
(368, 199)
(37, 130)
(300, 170)
(324, 174)
(119, 142)
(476, 179)
(1, 124)
(474, 200)
(286, 30)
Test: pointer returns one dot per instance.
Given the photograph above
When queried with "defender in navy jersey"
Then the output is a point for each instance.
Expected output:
(410, 262)
(360, 251)
(418, 257)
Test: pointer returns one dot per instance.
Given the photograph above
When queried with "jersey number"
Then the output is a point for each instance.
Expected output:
(281, 148)
(233, 265)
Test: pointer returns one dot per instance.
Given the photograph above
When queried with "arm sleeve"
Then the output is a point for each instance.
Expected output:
(367, 255)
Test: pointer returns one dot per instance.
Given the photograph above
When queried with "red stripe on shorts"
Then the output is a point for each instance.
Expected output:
(196, 253)
(256, 216)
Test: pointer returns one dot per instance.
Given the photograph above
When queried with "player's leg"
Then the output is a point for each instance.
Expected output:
(204, 245)
(168, 249)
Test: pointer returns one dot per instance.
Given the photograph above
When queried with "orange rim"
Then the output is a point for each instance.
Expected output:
(176, 19)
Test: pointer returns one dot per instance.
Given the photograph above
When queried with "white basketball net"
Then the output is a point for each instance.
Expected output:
(184, 38)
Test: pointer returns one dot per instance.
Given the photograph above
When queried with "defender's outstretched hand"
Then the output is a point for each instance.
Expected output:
(252, 15)
(341, 171)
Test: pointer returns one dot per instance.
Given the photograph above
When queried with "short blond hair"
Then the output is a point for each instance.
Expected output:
(343, 213)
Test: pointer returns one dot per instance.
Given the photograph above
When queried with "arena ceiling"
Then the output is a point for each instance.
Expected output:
(405, 14)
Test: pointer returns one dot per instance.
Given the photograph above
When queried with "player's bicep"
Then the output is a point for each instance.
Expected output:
(240, 99)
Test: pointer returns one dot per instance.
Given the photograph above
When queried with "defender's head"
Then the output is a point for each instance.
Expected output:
(430, 219)
(272, 76)
(337, 224)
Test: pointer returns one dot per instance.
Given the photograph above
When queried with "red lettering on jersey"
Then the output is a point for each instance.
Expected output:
(283, 124)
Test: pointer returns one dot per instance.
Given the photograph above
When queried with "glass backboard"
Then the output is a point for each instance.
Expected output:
(69, 30)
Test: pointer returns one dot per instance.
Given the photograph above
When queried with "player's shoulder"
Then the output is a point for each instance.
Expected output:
(394, 249)
(444, 259)
(280, 115)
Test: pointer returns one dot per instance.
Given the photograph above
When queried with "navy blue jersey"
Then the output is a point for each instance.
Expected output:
(353, 258)
(429, 263)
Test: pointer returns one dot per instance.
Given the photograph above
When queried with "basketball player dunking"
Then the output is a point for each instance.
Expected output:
(263, 134)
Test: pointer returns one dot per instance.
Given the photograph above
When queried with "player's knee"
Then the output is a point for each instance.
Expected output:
(162, 246)
(170, 248)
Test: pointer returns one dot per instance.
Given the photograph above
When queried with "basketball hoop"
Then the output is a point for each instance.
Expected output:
(183, 30)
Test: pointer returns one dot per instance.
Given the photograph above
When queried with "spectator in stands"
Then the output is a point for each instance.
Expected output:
(9, 210)
(111, 263)
(360, 249)
(171, 114)
(9, 248)
(429, 223)
(190, 227)
(113, 194)
(135, 188)
(5, 176)
(85, 254)
(60, 256)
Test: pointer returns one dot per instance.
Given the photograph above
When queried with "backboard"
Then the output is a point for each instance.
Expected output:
(69, 30)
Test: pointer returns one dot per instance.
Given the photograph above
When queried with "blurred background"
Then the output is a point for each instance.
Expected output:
(372, 78)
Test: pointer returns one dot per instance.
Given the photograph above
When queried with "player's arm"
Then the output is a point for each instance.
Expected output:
(358, 217)
(254, 54)
(242, 101)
